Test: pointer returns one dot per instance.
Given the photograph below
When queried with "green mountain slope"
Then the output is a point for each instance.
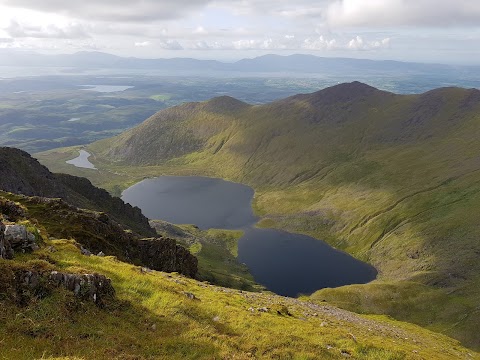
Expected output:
(56, 302)
(392, 179)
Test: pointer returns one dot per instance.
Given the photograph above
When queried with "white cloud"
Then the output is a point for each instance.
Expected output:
(200, 30)
(260, 44)
(113, 10)
(67, 31)
(170, 45)
(391, 13)
(357, 43)
(293, 43)
(204, 45)
(142, 43)
(320, 43)
(283, 8)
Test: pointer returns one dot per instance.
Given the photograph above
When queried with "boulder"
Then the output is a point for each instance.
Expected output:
(164, 254)
(85, 252)
(20, 239)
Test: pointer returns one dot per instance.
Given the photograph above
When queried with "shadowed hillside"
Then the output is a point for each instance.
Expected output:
(22, 174)
(392, 179)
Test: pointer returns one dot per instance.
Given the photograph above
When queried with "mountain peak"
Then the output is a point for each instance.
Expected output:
(345, 92)
(352, 89)
(224, 104)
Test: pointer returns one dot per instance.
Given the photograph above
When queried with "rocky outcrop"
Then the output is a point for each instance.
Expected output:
(165, 255)
(38, 284)
(20, 239)
(95, 231)
(94, 287)
(11, 211)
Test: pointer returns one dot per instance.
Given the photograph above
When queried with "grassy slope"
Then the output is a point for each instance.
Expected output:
(391, 179)
(152, 318)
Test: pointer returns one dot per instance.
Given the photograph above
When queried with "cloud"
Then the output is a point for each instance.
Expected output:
(282, 8)
(290, 42)
(358, 43)
(320, 43)
(200, 30)
(142, 43)
(113, 10)
(391, 13)
(69, 31)
(204, 45)
(170, 45)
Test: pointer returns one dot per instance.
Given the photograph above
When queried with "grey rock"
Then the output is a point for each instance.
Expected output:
(16, 238)
(6, 251)
(52, 249)
(16, 234)
(190, 296)
(85, 252)
(31, 279)
(164, 254)
(101, 254)
(94, 287)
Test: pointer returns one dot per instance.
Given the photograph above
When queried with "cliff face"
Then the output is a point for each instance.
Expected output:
(22, 174)
(166, 254)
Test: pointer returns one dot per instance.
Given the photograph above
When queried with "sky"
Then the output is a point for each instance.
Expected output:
(440, 31)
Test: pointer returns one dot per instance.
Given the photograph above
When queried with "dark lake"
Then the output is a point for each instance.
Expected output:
(285, 263)
(205, 202)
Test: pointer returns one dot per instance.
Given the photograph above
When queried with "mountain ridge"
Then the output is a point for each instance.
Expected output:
(22, 174)
(270, 63)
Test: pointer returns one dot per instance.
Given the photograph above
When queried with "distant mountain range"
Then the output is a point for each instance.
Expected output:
(295, 64)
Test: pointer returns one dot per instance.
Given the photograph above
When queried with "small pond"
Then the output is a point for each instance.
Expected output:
(82, 161)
